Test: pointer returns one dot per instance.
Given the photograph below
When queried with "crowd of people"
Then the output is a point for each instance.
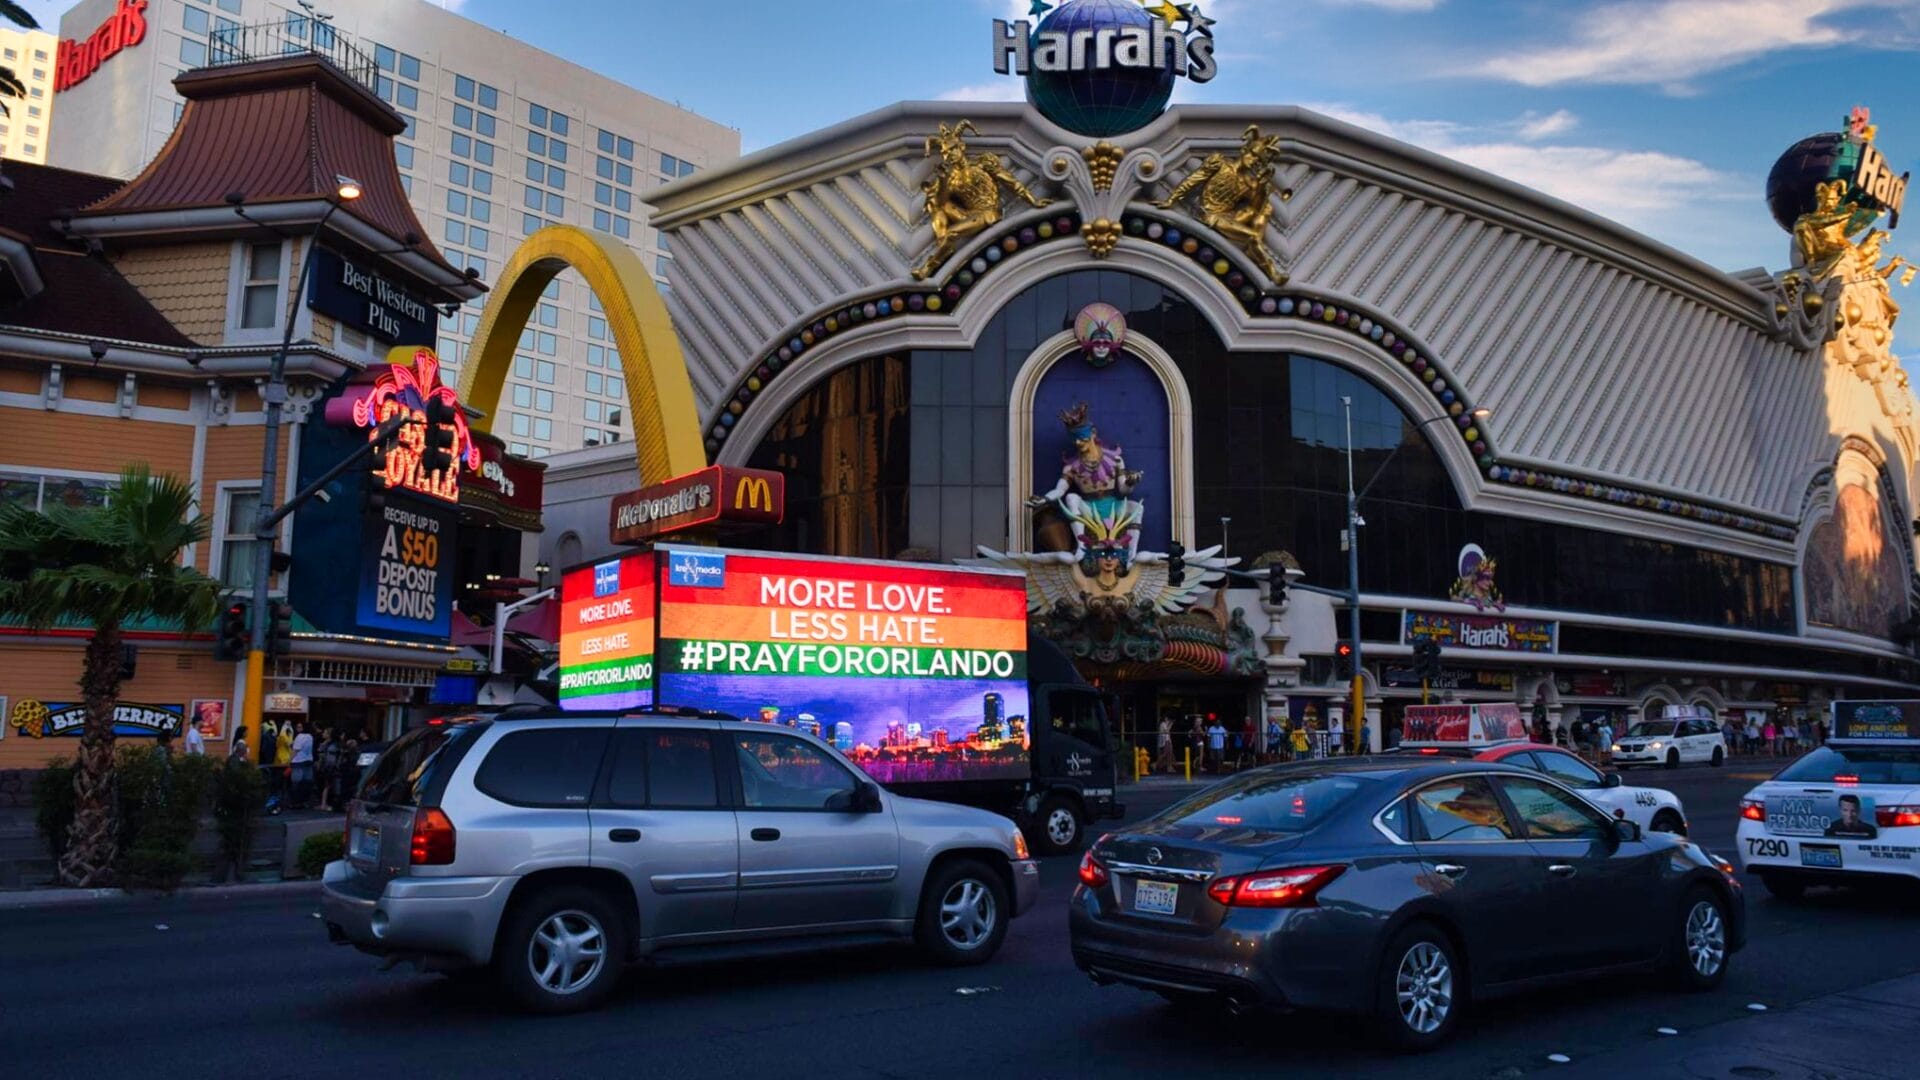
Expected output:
(304, 771)
(1213, 746)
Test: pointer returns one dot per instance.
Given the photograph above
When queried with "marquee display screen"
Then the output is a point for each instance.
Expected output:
(917, 673)
(606, 634)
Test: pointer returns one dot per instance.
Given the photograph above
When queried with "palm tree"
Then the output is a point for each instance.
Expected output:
(10, 84)
(104, 567)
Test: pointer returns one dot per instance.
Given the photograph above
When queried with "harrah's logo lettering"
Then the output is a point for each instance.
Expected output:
(75, 60)
(1017, 49)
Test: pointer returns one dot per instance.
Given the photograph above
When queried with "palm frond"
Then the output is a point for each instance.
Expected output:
(10, 83)
(17, 15)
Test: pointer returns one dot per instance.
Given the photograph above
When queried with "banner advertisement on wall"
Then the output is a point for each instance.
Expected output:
(915, 672)
(51, 719)
(406, 568)
(607, 634)
(1489, 632)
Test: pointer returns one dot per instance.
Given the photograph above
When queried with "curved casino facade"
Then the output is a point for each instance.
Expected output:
(1687, 502)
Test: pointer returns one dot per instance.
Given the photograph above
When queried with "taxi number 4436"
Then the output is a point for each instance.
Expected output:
(1766, 848)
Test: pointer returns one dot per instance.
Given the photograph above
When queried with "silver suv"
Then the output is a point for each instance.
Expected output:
(554, 847)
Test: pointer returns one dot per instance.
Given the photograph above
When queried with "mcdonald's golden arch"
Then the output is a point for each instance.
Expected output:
(717, 493)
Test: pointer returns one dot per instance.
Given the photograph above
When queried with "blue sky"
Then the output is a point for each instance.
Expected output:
(1662, 114)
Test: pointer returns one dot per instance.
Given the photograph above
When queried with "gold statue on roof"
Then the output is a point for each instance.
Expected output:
(963, 195)
(1236, 196)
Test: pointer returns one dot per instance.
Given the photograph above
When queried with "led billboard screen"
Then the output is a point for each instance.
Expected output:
(606, 634)
(916, 672)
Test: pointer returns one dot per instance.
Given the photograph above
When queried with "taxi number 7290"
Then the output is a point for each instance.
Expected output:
(1766, 847)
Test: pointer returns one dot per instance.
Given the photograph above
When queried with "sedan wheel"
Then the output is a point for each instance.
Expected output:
(1698, 959)
(1421, 989)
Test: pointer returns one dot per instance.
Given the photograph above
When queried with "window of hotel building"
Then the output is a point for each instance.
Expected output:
(463, 117)
(662, 266)
(533, 198)
(479, 209)
(536, 143)
(589, 437)
(462, 145)
(522, 396)
(193, 53)
(542, 428)
(549, 315)
(260, 286)
(483, 152)
(603, 194)
(478, 238)
(591, 410)
(523, 367)
(543, 372)
(233, 546)
(456, 232)
(522, 424)
(12, 55)
(409, 67)
(483, 181)
(297, 27)
(602, 221)
(33, 111)
(407, 97)
(596, 327)
(383, 86)
(613, 417)
(36, 92)
(530, 224)
(406, 184)
(403, 155)
(519, 448)
(622, 227)
(39, 54)
(489, 98)
(556, 205)
(192, 19)
(536, 171)
(616, 387)
(536, 115)
(594, 382)
(463, 88)
(456, 202)
(543, 400)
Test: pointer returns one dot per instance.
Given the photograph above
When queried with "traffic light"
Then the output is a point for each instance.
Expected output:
(438, 456)
(279, 628)
(1343, 661)
(1277, 586)
(233, 632)
(1176, 564)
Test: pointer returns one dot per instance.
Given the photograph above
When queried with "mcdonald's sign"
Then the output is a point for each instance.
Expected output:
(715, 494)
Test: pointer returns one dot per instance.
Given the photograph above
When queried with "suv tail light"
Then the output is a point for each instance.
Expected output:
(1896, 817)
(1093, 873)
(432, 837)
(1292, 887)
(1753, 809)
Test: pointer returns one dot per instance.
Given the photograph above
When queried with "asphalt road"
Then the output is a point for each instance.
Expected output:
(247, 986)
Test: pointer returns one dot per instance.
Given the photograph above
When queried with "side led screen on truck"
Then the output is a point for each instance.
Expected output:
(606, 634)
(917, 673)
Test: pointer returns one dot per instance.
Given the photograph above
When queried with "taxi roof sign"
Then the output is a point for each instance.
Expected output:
(1876, 722)
(1463, 725)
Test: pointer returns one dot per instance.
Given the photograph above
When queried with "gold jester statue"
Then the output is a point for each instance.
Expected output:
(963, 194)
(1237, 199)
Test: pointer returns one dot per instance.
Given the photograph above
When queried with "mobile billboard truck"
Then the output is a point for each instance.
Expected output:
(922, 675)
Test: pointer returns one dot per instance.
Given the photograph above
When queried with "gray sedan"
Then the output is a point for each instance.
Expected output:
(1395, 888)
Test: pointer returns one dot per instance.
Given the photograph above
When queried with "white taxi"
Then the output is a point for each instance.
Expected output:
(1846, 813)
(1670, 741)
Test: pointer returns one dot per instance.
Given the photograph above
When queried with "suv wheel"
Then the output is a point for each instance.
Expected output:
(1673, 758)
(561, 950)
(1059, 827)
(1699, 955)
(1421, 989)
(963, 914)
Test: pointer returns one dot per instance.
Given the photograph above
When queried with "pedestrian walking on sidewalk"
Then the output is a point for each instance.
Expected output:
(1300, 745)
(1217, 745)
(301, 761)
(1163, 747)
(238, 749)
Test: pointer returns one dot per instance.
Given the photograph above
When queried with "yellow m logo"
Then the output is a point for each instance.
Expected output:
(753, 493)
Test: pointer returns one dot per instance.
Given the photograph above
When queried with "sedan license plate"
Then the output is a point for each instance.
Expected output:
(1155, 897)
(366, 844)
(1823, 855)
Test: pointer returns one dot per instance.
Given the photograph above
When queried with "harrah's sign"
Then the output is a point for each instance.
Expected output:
(76, 60)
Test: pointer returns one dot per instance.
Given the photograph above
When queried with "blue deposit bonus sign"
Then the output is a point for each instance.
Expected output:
(406, 569)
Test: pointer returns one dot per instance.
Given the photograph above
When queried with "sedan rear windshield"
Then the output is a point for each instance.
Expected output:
(1856, 765)
(397, 776)
(1275, 802)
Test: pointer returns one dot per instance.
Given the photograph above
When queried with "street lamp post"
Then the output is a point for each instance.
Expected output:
(1356, 706)
(345, 191)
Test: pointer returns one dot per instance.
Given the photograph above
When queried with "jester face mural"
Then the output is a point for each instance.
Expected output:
(1102, 331)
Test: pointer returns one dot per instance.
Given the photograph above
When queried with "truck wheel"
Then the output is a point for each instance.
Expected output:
(561, 950)
(963, 914)
(1058, 827)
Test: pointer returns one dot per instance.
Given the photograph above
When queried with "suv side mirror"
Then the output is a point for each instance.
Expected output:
(866, 798)
(1626, 831)
(1612, 780)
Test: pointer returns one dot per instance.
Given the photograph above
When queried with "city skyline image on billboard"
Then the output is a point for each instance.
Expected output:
(917, 673)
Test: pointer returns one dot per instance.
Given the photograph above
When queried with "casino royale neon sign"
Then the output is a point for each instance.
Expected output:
(1020, 51)
(75, 60)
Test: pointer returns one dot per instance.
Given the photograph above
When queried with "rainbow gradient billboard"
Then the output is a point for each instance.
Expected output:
(607, 634)
(917, 673)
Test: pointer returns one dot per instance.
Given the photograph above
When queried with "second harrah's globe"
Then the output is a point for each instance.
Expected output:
(1093, 102)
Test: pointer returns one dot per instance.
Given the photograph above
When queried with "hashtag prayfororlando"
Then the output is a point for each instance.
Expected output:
(757, 658)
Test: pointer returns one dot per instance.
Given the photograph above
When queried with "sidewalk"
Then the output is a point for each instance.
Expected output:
(1867, 1033)
(17, 899)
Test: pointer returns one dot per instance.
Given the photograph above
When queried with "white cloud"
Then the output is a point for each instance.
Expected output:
(1534, 126)
(1667, 42)
(1390, 5)
(1007, 89)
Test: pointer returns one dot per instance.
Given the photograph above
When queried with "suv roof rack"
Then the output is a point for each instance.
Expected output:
(678, 710)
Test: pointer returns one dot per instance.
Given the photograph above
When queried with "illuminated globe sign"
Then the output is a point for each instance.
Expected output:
(1105, 67)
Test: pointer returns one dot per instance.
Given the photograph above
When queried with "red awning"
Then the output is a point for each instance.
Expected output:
(468, 632)
(541, 621)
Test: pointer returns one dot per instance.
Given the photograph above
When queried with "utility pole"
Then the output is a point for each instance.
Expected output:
(1357, 705)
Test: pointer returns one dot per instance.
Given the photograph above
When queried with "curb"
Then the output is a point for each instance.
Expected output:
(34, 898)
